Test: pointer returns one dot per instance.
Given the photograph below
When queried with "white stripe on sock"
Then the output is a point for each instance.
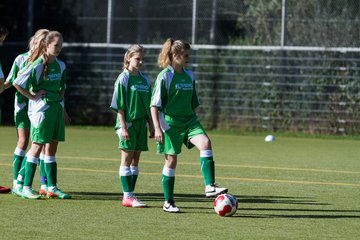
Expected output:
(19, 152)
(32, 159)
(206, 153)
(134, 170)
(49, 159)
(124, 171)
(169, 172)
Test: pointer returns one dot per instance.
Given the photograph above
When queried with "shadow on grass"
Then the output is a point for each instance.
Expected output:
(274, 212)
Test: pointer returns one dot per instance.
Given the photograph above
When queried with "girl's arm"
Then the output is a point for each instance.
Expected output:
(29, 95)
(159, 135)
(124, 132)
(6, 85)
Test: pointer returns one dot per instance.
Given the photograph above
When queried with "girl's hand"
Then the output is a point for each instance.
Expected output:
(125, 134)
(39, 94)
(159, 135)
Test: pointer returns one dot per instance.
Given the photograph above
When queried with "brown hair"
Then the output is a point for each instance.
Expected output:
(171, 47)
(136, 48)
(49, 38)
(37, 44)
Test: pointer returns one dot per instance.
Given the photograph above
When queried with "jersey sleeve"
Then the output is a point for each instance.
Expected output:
(158, 93)
(63, 81)
(25, 77)
(13, 72)
(195, 100)
(118, 101)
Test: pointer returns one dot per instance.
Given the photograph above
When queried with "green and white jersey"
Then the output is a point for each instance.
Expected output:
(33, 77)
(174, 93)
(132, 94)
(20, 64)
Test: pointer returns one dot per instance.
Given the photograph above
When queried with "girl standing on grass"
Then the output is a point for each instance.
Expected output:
(46, 80)
(21, 118)
(131, 100)
(3, 33)
(173, 102)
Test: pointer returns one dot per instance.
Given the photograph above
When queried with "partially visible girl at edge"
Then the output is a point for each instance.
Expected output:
(131, 100)
(173, 102)
(46, 79)
(3, 33)
(21, 118)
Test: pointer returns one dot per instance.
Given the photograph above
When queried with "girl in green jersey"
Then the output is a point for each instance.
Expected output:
(131, 100)
(46, 80)
(21, 118)
(3, 33)
(173, 102)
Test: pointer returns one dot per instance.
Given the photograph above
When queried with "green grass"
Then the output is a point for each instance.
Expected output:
(293, 188)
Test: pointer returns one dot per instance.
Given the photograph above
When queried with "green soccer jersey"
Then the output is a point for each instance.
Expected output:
(132, 94)
(54, 84)
(174, 93)
(19, 66)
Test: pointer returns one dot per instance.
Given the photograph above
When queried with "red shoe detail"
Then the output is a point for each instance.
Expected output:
(4, 189)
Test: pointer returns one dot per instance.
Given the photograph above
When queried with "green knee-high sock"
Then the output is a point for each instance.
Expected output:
(21, 173)
(133, 182)
(168, 182)
(51, 173)
(208, 169)
(30, 169)
(43, 179)
(126, 183)
(168, 187)
(134, 175)
(17, 163)
(125, 178)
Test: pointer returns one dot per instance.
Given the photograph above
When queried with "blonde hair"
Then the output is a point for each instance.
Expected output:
(135, 48)
(171, 47)
(37, 44)
(49, 38)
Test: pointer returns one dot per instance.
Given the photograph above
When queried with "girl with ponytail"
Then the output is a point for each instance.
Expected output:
(173, 104)
(46, 79)
(21, 119)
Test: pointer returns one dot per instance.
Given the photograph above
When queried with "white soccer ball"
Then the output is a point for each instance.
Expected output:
(269, 138)
(225, 205)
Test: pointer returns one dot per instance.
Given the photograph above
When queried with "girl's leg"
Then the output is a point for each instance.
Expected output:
(43, 180)
(134, 168)
(18, 159)
(32, 158)
(51, 172)
(127, 180)
(207, 164)
(168, 182)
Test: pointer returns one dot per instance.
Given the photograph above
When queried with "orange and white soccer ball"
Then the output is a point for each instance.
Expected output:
(225, 205)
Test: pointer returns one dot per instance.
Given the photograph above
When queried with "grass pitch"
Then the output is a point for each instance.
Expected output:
(293, 188)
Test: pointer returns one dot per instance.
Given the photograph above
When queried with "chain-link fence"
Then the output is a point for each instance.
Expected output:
(274, 64)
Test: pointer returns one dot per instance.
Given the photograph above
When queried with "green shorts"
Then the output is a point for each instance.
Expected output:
(178, 131)
(138, 141)
(48, 125)
(21, 119)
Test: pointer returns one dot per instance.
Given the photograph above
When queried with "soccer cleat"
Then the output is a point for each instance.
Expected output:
(169, 206)
(133, 202)
(57, 193)
(213, 190)
(30, 194)
(4, 189)
(43, 191)
(17, 191)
